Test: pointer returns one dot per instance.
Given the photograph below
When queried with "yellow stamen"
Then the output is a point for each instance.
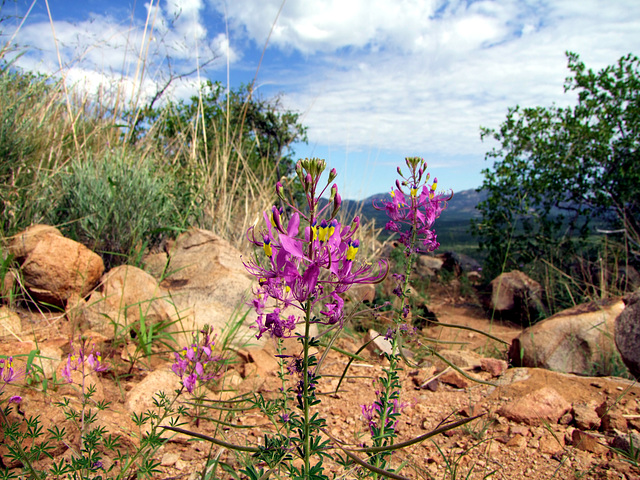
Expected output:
(267, 248)
(351, 252)
(432, 193)
(331, 230)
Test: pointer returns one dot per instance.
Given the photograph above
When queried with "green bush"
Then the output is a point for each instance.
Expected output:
(115, 204)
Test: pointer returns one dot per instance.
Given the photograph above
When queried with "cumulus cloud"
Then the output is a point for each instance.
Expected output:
(467, 63)
(140, 53)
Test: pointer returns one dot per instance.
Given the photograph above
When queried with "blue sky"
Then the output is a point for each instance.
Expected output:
(374, 80)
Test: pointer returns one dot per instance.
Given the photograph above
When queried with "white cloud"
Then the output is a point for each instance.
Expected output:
(469, 64)
(173, 40)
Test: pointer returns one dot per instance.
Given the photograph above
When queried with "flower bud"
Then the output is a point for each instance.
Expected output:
(354, 227)
(434, 185)
(275, 219)
(332, 175)
(300, 171)
(337, 203)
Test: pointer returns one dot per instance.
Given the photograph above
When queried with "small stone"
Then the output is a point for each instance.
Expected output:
(169, 459)
(518, 442)
(551, 444)
(623, 442)
(519, 430)
(453, 378)
(587, 442)
(586, 417)
(378, 343)
(613, 421)
(462, 358)
(433, 385)
(537, 408)
(494, 366)
(566, 419)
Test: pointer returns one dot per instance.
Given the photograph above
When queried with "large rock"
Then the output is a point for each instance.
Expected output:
(140, 399)
(208, 283)
(428, 265)
(54, 267)
(543, 406)
(577, 340)
(460, 263)
(125, 295)
(24, 243)
(516, 297)
(627, 333)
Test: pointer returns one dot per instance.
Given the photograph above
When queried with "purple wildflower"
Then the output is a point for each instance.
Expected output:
(8, 373)
(305, 267)
(416, 209)
(371, 414)
(79, 360)
(196, 362)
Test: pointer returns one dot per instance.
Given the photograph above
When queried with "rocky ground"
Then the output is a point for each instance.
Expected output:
(536, 423)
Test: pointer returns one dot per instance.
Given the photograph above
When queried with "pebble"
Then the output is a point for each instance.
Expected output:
(169, 459)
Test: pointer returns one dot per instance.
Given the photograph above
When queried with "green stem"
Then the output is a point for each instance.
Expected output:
(305, 391)
(386, 397)
(23, 455)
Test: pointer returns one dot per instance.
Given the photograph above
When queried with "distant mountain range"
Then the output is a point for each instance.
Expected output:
(452, 227)
(462, 207)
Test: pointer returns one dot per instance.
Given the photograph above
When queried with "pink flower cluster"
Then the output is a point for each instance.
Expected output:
(196, 362)
(80, 360)
(9, 374)
(312, 263)
(415, 205)
(372, 414)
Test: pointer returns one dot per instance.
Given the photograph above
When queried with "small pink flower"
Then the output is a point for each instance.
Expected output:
(189, 382)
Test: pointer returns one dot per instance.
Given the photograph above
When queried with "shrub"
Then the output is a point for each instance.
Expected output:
(116, 204)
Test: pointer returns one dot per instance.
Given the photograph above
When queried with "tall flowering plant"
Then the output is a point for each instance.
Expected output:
(304, 265)
(309, 262)
(412, 210)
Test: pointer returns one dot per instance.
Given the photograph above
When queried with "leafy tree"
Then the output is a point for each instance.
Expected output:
(558, 171)
(256, 130)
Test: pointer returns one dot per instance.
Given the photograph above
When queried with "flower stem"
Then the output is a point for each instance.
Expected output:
(305, 391)
(23, 455)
